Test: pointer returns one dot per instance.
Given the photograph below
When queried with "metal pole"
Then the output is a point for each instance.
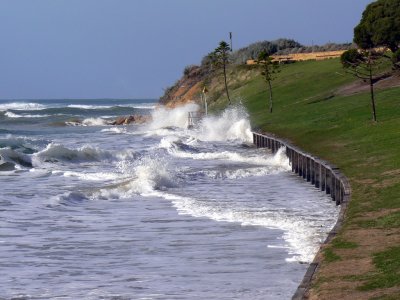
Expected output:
(205, 104)
(230, 37)
(205, 100)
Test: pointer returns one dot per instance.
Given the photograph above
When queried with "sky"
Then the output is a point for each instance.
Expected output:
(51, 49)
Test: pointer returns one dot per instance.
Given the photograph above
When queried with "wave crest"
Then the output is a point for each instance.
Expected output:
(9, 155)
(56, 152)
(21, 106)
(232, 124)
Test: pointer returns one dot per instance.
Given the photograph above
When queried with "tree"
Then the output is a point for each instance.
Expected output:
(221, 60)
(269, 69)
(380, 27)
(363, 64)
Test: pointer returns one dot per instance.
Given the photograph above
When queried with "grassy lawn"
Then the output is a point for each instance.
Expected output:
(363, 261)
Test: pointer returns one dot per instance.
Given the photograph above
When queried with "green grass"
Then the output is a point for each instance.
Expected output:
(388, 275)
(331, 256)
(337, 243)
(389, 221)
(309, 112)
(342, 244)
(336, 128)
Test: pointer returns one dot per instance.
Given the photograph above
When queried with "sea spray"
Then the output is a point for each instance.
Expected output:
(140, 177)
(166, 117)
(232, 124)
(160, 198)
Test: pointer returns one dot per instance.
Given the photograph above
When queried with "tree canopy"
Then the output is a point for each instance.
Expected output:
(364, 65)
(379, 26)
(269, 68)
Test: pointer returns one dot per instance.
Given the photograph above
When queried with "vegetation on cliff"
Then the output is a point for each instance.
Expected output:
(195, 77)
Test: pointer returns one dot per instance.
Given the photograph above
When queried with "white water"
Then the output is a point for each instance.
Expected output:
(22, 106)
(155, 211)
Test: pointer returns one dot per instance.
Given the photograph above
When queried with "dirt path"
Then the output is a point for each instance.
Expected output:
(360, 86)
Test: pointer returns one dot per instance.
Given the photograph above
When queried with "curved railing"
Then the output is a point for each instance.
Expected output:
(320, 174)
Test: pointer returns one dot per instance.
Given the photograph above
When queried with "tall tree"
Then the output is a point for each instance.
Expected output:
(363, 64)
(221, 60)
(269, 69)
(380, 27)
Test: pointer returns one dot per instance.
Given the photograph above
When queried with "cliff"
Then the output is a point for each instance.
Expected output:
(186, 89)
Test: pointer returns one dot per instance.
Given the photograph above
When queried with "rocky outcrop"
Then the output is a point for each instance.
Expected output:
(137, 119)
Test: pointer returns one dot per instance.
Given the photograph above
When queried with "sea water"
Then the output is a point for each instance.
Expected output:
(152, 211)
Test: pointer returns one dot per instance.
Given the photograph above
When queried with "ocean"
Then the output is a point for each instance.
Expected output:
(148, 211)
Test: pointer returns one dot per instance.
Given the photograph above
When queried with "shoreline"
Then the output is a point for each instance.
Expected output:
(309, 171)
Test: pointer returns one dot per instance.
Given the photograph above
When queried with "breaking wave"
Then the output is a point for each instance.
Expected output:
(177, 117)
(232, 124)
(57, 152)
(21, 106)
(9, 155)
(141, 177)
(94, 122)
(14, 115)
(177, 148)
(302, 236)
(83, 106)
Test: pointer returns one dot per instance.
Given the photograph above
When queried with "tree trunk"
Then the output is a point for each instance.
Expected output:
(226, 85)
(371, 85)
(270, 96)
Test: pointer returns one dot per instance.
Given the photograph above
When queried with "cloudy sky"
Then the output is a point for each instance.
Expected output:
(136, 48)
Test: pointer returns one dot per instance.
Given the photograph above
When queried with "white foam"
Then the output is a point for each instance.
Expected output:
(21, 106)
(232, 124)
(278, 160)
(88, 122)
(94, 122)
(83, 106)
(143, 106)
(115, 130)
(56, 152)
(302, 236)
(99, 176)
(177, 117)
(14, 115)
(146, 176)
(9, 155)
(242, 173)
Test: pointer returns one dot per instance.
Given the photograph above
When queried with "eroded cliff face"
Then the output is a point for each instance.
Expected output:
(187, 89)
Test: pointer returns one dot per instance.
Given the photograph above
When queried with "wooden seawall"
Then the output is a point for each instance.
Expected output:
(319, 173)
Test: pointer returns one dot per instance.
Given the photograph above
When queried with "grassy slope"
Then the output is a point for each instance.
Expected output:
(339, 129)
